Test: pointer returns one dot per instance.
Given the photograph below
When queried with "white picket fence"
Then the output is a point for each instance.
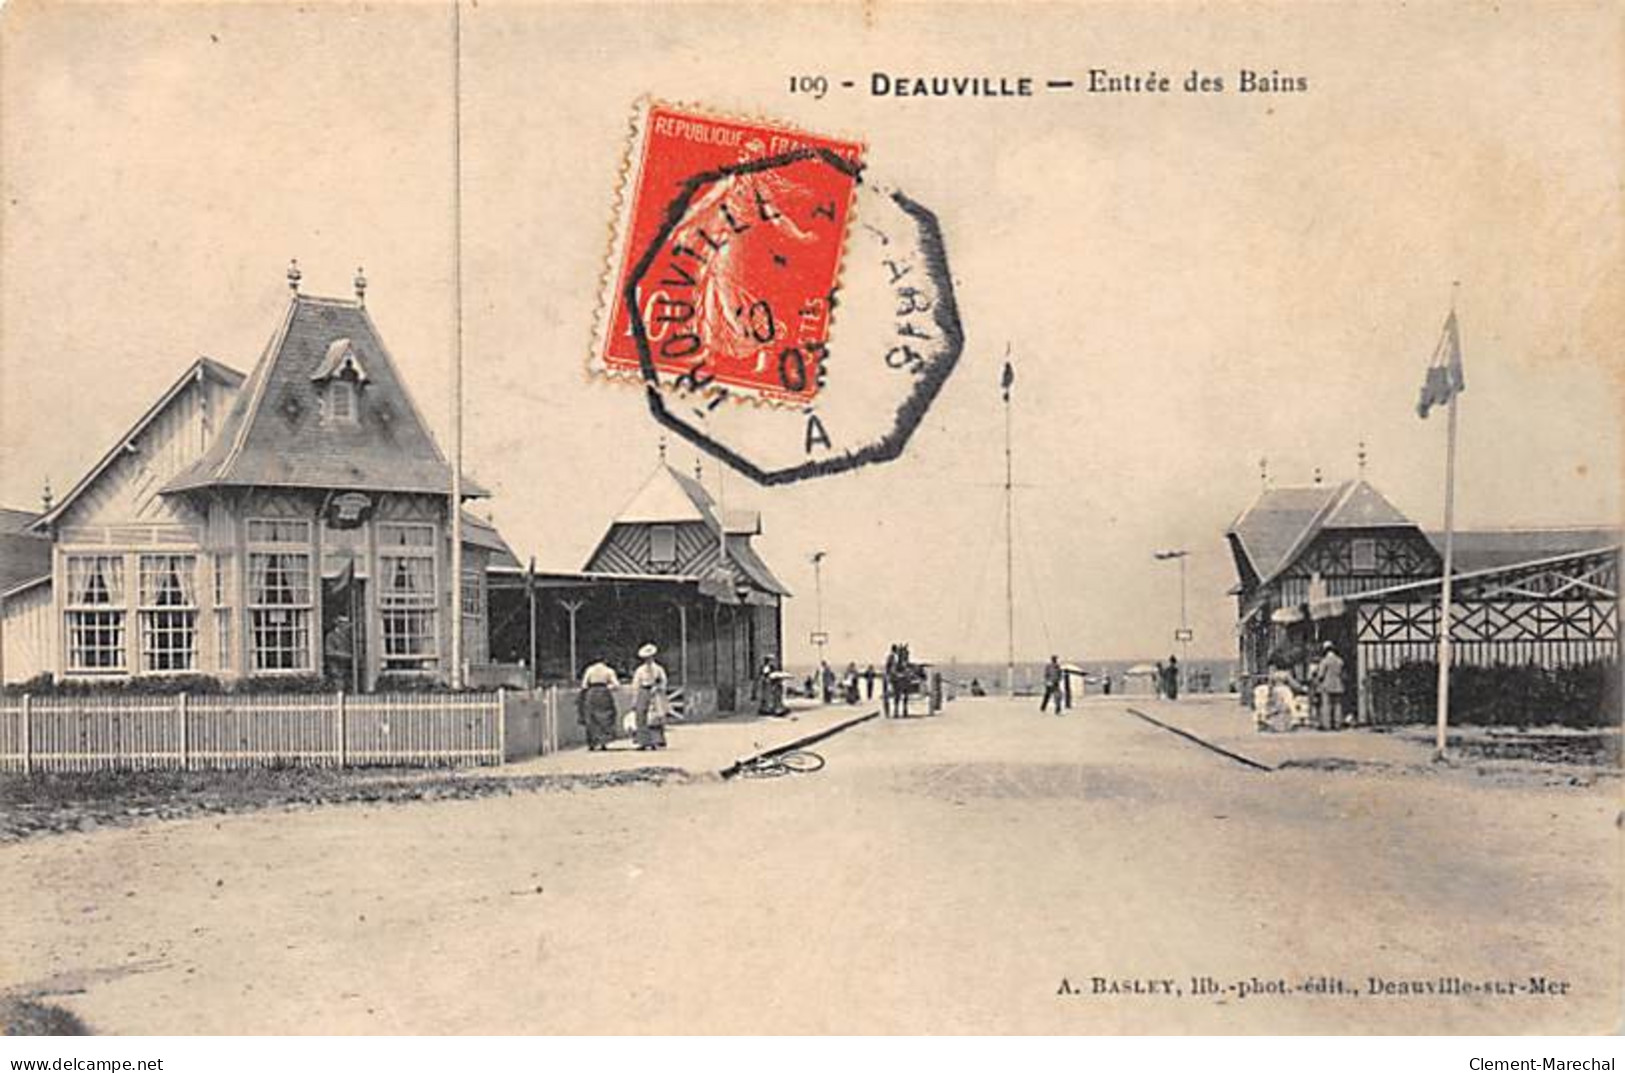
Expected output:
(96, 733)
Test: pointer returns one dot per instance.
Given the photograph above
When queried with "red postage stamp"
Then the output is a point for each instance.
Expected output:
(726, 256)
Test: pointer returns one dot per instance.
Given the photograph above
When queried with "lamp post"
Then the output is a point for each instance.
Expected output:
(1184, 634)
(819, 637)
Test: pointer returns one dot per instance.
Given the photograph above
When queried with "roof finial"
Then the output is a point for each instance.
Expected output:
(293, 275)
(1317, 475)
(1361, 455)
(662, 448)
(698, 475)
(361, 285)
(1264, 473)
(46, 497)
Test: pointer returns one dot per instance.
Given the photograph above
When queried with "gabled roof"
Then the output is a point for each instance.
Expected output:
(670, 498)
(25, 556)
(743, 556)
(1281, 522)
(1360, 506)
(276, 436)
(1269, 528)
(666, 498)
(479, 533)
(1490, 549)
(13, 520)
(200, 369)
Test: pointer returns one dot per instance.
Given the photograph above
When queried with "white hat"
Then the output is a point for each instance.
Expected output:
(647, 652)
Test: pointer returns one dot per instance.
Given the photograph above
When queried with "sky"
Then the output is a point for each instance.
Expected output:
(1188, 284)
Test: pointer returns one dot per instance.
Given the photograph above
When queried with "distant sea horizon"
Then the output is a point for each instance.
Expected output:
(1030, 673)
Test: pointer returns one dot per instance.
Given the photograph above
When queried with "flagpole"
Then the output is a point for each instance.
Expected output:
(456, 506)
(1445, 597)
(355, 630)
(1446, 601)
(530, 599)
(1009, 537)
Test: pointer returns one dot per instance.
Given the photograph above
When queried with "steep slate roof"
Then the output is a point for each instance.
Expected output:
(24, 556)
(1282, 521)
(202, 367)
(275, 434)
(1269, 528)
(1488, 549)
(13, 520)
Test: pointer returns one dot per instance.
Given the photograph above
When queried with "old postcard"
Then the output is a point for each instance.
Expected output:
(873, 518)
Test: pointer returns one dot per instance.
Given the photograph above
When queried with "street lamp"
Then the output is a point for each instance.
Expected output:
(819, 637)
(1183, 635)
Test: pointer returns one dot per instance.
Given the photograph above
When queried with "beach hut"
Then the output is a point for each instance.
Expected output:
(1140, 680)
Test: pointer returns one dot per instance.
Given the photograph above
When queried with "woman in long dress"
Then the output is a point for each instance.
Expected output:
(649, 700)
(597, 704)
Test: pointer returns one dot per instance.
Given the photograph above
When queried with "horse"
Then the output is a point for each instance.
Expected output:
(902, 678)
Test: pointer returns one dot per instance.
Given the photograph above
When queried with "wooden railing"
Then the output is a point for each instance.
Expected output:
(110, 732)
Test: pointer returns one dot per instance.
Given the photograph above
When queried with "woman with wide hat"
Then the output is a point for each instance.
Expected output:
(649, 701)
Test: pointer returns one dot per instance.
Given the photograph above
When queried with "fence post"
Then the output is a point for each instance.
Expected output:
(186, 741)
(344, 729)
(543, 698)
(28, 735)
(502, 724)
(550, 726)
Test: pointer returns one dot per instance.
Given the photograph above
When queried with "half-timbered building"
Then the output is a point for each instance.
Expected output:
(675, 569)
(1342, 564)
(291, 522)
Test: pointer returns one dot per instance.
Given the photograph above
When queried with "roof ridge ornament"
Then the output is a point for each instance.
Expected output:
(360, 285)
(294, 275)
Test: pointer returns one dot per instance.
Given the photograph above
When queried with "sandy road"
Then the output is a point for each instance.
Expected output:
(939, 876)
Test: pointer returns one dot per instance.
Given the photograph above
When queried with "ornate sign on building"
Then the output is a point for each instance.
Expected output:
(349, 510)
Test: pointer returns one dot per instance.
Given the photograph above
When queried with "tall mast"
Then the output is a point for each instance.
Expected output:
(1007, 382)
(456, 506)
(1446, 595)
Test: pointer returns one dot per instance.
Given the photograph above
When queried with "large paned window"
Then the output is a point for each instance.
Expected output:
(168, 612)
(225, 653)
(96, 613)
(279, 594)
(476, 648)
(408, 596)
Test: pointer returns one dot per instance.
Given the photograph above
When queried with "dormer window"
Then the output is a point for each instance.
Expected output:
(340, 376)
(341, 402)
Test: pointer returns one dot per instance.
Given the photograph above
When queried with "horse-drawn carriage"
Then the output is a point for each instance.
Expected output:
(904, 678)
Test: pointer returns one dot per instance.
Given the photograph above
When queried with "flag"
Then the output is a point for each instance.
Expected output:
(1007, 380)
(342, 584)
(1444, 375)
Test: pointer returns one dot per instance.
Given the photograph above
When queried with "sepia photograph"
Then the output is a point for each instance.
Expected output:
(817, 519)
